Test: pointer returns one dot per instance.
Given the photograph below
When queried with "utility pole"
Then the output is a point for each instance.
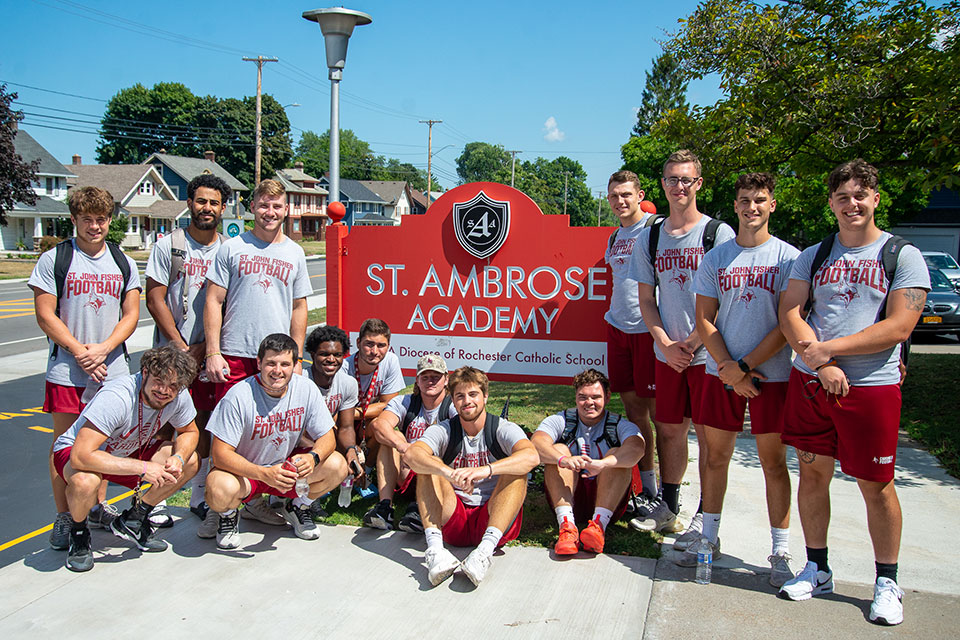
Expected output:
(429, 124)
(513, 164)
(599, 204)
(260, 60)
(566, 176)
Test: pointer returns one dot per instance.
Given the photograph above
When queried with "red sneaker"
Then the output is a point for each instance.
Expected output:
(568, 542)
(592, 537)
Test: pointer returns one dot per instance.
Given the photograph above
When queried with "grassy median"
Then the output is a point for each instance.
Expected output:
(931, 405)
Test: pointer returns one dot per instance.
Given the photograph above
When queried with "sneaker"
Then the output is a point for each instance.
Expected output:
(808, 583)
(139, 532)
(160, 516)
(661, 519)
(688, 557)
(301, 521)
(228, 530)
(691, 535)
(568, 543)
(592, 537)
(79, 555)
(317, 512)
(440, 564)
(60, 534)
(260, 510)
(380, 516)
(887, 607)
(642, 505)
(475, 566)
(210, 525)
(200, 510)
(411, 522)
(780, 570)
(102, 515)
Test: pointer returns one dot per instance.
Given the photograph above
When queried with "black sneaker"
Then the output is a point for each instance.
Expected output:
(410, 522)
(317, 512)
(79, 555)
(139, 532)
(200, 511)
(380, 516)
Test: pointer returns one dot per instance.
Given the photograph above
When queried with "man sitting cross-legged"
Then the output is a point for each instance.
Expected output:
(588, 454)
(462, 500)
(113, 439)
(256, 429)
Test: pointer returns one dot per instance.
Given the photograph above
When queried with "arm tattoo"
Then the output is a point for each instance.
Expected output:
(806, 457)
(915, 299)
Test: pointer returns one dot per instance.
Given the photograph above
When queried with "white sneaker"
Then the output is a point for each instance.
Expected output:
(228, 532)
(661, 519)
(688, 557)
(208, 528)
(160, 516)
(691, 535)
(475, 566)
(808, 583)
(780, 570)
(887, 607)
(261, 511)
(301, 521)
(440, 564)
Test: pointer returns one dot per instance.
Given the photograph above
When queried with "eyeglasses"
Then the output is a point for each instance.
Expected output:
(673, 181)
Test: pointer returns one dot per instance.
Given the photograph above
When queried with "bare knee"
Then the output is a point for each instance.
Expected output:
(84, 484)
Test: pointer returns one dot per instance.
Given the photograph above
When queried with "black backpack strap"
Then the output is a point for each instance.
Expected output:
(612, 238)
(654, 219)
(823, 252)
(416, 403)
(889, 256)
(490, 428)
(654, 241)
(445, 404)
(610, 433)
(710, 234)
(121, 259)
(455, 445)
(61, 265)
(570, 420)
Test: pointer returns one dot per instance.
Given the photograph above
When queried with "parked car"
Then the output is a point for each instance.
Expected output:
(941, 313)
(945, 263)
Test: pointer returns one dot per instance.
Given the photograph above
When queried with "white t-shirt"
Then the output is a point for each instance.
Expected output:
(340, 395)
(624, 313)
(595, 444)
(400, 405)
(389, 377)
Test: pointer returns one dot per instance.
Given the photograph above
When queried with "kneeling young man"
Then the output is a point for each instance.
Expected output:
(473, 480)
(598, 475)
(255, 429)
(113, 439)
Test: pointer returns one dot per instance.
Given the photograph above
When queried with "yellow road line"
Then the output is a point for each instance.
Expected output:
(43, 429)
(18, 300)
(17, 315)
(35, 409)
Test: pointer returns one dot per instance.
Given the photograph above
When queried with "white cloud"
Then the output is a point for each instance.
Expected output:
(552, 132)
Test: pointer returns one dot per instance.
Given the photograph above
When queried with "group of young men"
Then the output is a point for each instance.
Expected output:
(701, 323)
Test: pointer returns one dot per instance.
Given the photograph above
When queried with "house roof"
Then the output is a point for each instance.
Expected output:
(30, 150)
(374, 218)
(45, 205)
(161, 209)
(389, 190)
(118, 179)
(355, 191)
(419, 198)
(190, 168)
(290, 178)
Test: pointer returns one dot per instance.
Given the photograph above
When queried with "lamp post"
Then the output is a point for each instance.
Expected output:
(337, 25)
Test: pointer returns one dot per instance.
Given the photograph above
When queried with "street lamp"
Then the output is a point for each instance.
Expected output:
(337, 25)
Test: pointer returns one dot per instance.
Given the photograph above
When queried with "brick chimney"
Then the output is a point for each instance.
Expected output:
(298, 166)
(76, 159)
(210, 155)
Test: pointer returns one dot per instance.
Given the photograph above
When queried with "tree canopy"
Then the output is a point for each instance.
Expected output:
(16, 176)
(665, 90)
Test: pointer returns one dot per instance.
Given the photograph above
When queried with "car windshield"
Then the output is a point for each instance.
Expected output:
(941, 261)
(939, 282)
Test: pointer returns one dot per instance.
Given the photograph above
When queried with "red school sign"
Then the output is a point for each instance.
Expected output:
(485, 279)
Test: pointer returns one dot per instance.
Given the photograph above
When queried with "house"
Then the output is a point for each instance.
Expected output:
(306, 204)
(49, 216)
(362, 205)
(937, 227)
(396, 194)
(178, 171)
(418, 203)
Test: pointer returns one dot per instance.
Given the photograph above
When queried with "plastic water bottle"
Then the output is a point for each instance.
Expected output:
(704, 562)
(346, 491)
(302, 487)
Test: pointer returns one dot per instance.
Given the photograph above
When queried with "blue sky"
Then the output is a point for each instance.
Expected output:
(547, 78)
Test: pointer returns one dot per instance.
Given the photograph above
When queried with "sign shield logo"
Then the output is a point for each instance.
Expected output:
(481, 224)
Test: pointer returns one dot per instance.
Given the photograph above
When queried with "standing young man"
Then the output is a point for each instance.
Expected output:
(738, 289)
(472, 473)
(843, 402)
(175, 299)
(679, 243)
(87, 311)
(629, 344)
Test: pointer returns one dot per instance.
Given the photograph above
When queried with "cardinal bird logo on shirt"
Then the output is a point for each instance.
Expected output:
(265, 283)
(746, 298)
(681, 279)
(277, 442)
(96, 302)
(847, 294)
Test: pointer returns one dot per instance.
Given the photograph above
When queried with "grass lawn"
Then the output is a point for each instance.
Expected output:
(931, 404)
(316, 316)
(10, 269)
(314, 247)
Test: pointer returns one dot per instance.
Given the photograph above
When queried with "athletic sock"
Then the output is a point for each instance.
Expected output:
(649, 480)
(489, 541)
(603, 516)
(434, 538)
(80, 526)
(711, 526)
(229, 513)
(142, 510)
(781, 541)
(303, 503)
(887, 570)
(199, 483)
(563, 512)
(819, 558)
(671, 495)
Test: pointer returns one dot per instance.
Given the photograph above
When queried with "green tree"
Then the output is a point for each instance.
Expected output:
(357, 160)
(665, 90)
(484, 162)
(16, 176)
(117, 229)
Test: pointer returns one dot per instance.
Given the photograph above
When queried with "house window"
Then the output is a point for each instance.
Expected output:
(50, 183)
(133, 224)
(146, 188)
(176, 191)
(296, 199)
(296, 225)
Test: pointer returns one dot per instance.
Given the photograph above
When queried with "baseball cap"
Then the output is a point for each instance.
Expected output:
(431, 362)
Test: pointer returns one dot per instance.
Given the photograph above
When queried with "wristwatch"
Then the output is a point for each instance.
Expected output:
(743, 366)
(316, 458)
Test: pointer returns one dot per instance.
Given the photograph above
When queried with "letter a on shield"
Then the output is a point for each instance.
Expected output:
(481, 225)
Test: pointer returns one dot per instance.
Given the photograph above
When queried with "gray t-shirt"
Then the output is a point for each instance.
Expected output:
(90, 307)
(265, 430)
(624, 312)
(677, 260)
(262, 280)
(389, 377)
(595, 445)
(128, 423)
(848, 290)
(400, 405)
(473, 454)
(747, 281)
(195, 265)
(340, 395)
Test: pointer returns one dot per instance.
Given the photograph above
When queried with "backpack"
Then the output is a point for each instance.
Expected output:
(709, 237)
(416, 403)
(455, 446)
(653, 219)
(178, 257)
(610, 423)
(61, 265)
(889, 255)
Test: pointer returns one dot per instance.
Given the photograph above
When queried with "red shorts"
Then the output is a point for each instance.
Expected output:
(466, 526)
(58, 398)
(240, 369)
(678, 394)
(585, 500)
(630, 357)
(407, 488)
(257, 488)
(723, 409)
(860, 430)
(62, 457)
(204, 394)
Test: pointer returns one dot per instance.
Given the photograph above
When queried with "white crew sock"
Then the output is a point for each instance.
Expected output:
(199, 483)
(229, 513)
(563, 512)
(649, 479)
(302, 502)
(489, 541)
(781, 540)
(434, 538)
(603, 515)
(711, 526)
